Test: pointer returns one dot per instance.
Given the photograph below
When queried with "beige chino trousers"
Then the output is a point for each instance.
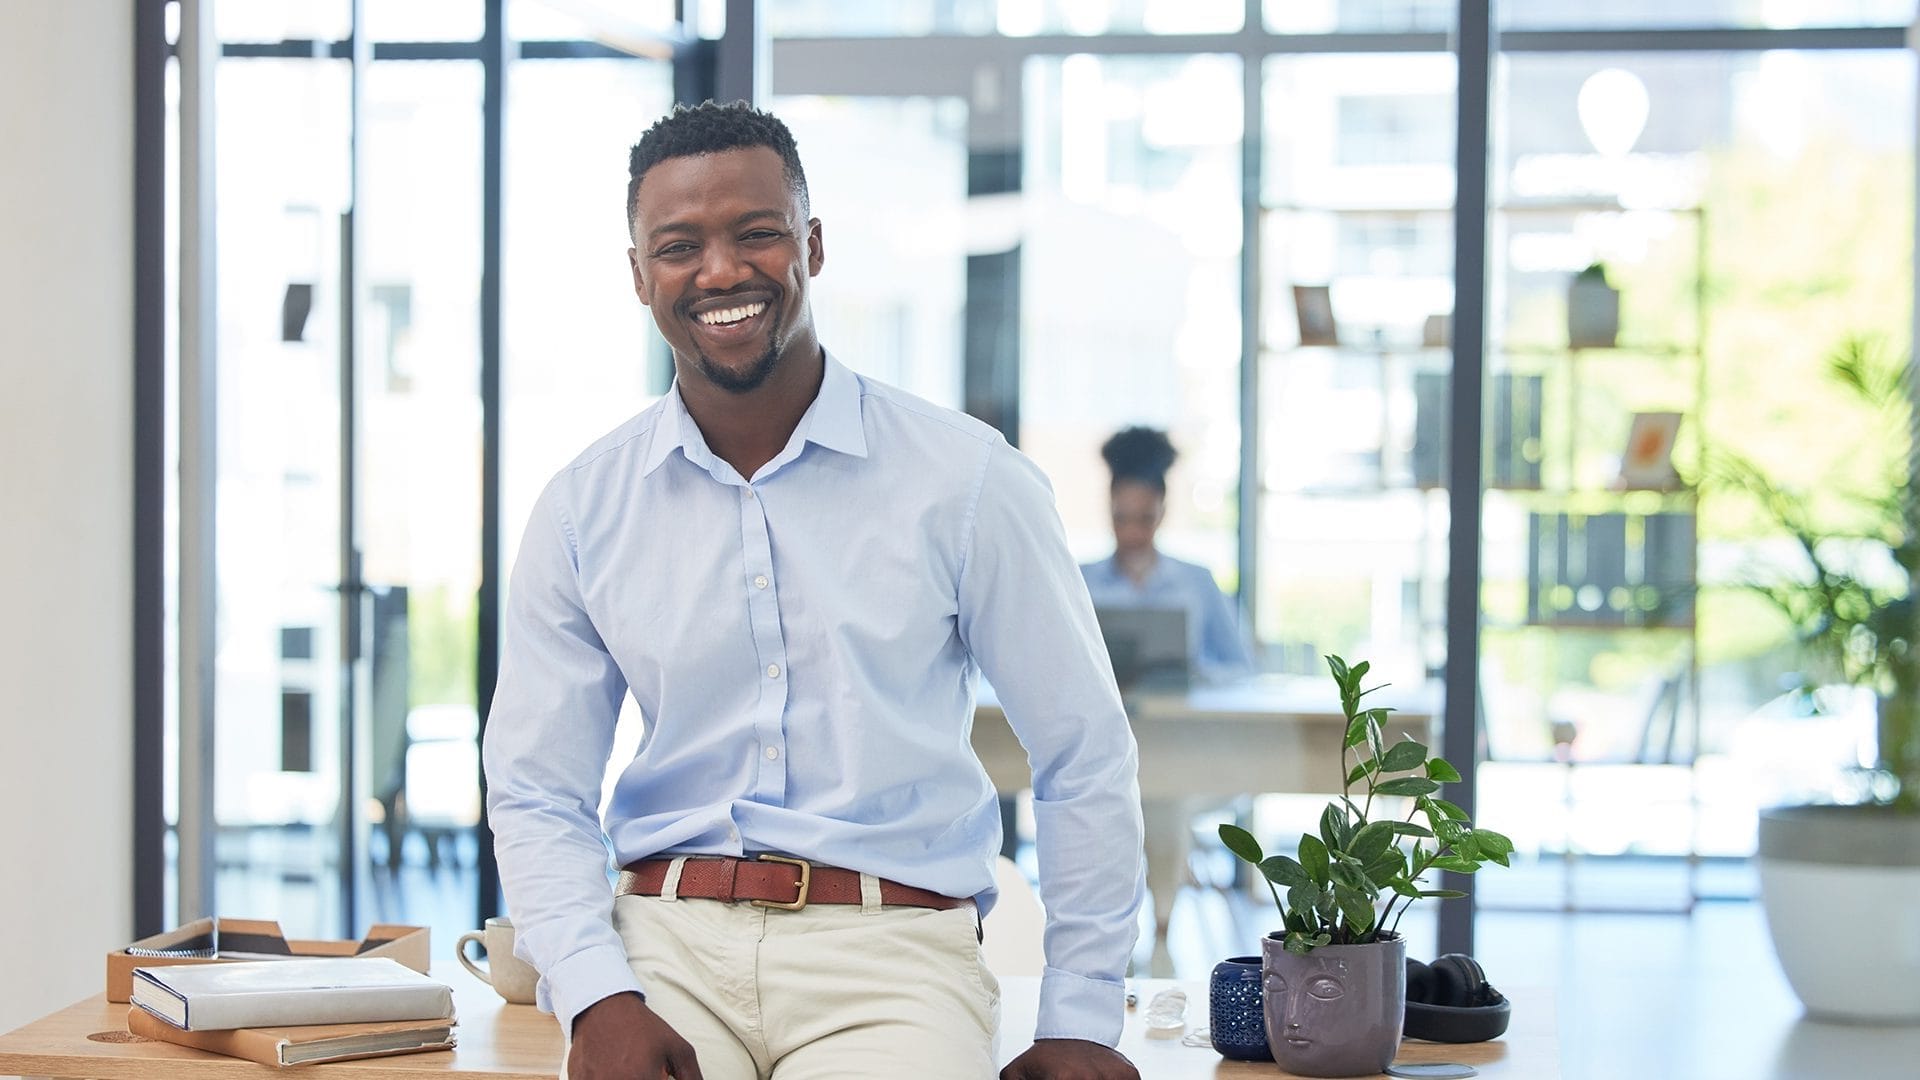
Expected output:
(830, 992)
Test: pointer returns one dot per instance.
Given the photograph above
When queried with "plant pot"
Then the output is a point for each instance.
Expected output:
(1337, 1010)
(1235, 1018)
(1837, 883)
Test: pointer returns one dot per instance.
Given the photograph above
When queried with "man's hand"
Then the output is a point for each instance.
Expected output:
(1069, 1059)
(619, 1038)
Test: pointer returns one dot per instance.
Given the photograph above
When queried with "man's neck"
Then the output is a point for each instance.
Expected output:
(747, 430)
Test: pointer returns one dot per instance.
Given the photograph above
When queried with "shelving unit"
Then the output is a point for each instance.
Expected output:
(1589, 578)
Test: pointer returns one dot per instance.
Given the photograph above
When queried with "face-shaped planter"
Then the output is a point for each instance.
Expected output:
(1336, 1011)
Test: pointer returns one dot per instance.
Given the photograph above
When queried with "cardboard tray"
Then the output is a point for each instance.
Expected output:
(257, 938)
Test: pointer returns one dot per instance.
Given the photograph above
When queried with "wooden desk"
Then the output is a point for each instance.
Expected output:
(1270, 733)
(497, 1040)
(517, 1042)
(1202, 747)
(1530, 1050)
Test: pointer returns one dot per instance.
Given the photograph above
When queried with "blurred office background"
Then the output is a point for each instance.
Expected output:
(258, 566)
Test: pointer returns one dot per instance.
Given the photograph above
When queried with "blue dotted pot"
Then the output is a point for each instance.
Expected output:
(1235, 1016)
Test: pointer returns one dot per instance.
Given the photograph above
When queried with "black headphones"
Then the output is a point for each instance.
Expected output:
(1451, 1001)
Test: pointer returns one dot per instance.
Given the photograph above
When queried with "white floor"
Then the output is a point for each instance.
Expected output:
(1638, 996)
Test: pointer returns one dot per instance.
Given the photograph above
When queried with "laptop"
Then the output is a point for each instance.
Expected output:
(1148, 647)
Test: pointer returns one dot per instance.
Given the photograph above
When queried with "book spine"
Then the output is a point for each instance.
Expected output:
(257, 1046)
(318, 1006)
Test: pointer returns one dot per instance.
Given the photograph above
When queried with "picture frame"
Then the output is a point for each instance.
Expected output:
(1647, 460)
(1313, 304)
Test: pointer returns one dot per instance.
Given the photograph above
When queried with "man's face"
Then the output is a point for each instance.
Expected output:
(722, 254)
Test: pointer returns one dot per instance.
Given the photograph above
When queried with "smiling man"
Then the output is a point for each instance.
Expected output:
(798, 574)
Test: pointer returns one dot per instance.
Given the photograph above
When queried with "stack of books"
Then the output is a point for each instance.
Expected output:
(294, 1012)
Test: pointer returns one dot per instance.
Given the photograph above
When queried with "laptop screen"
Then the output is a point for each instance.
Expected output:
(1148, 646)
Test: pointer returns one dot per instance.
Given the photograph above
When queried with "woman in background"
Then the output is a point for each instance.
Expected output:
(1138, 575)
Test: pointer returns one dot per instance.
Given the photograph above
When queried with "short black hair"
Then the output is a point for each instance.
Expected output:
(1141, 455)
(708, 128)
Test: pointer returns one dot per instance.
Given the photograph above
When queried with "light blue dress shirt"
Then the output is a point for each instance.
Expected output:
(804, 648)
(1215, 643)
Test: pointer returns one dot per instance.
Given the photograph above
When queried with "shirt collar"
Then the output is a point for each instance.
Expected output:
(833, 421)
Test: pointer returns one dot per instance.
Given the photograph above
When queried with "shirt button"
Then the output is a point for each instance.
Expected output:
(773, 753)
(760, 582)
(773, 671)
(746, 493)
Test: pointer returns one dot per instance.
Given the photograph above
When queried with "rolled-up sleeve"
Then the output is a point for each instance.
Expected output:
(1026, 618)
(547, 739)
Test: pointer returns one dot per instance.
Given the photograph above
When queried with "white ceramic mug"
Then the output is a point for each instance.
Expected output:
(511, 977)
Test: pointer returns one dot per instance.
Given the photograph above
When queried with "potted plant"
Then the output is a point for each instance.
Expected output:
(1593, 310)
(1334, 975)
(1828, 869)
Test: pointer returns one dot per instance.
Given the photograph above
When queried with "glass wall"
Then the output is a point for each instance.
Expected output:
(1356, 287)
(890, 299)
(351, 417)
(1134, 163)
(1242, 237)
(1622, 665)
(281, 135)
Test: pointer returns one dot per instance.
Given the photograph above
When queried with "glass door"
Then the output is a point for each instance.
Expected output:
(358, 301)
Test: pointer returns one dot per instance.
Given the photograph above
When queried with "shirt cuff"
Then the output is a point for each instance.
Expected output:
(1076, 1007)
(582, 979)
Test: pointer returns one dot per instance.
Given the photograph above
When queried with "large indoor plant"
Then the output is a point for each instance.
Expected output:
(1829, 871)
(1334, 974)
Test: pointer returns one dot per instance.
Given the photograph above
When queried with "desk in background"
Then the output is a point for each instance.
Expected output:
(1208, 744)
(517, 1042)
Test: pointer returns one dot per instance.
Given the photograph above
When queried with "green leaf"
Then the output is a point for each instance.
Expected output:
(1449, 809)
(1389, 865)
(1439, 769)
(1408, 828)
(1313, 857)
(1456, 864)
(1442, 894)
(1298, 944)
(1359, 670)
(1356, 732)
(1334, 828)
(1300, 902)
(1494, 843)
(1405, 755)
(1357, 907)
(1241, 843)
(1339, 668)
(1407, 785)
(1348, 876)
(1283, 871)
(1404, 887)
(1361, 771)
(1371, 840)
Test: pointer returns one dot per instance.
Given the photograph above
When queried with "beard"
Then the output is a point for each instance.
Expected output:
(740, 382)
(736, 381)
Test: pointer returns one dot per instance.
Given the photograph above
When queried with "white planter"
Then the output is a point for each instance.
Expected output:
(1846, 931)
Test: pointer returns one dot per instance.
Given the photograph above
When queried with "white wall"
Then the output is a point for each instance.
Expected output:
(66, 302)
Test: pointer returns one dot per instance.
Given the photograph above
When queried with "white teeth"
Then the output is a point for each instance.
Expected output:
(731, 315)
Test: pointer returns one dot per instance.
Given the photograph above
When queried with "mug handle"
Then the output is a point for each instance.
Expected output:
(460, 951)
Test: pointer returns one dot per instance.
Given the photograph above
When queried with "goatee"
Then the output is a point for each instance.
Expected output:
(740, 382)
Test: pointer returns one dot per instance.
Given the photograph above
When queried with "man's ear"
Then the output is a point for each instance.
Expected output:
(816, 251)
(639, 279)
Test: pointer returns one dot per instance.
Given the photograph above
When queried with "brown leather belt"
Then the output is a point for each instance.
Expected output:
(773, 881)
